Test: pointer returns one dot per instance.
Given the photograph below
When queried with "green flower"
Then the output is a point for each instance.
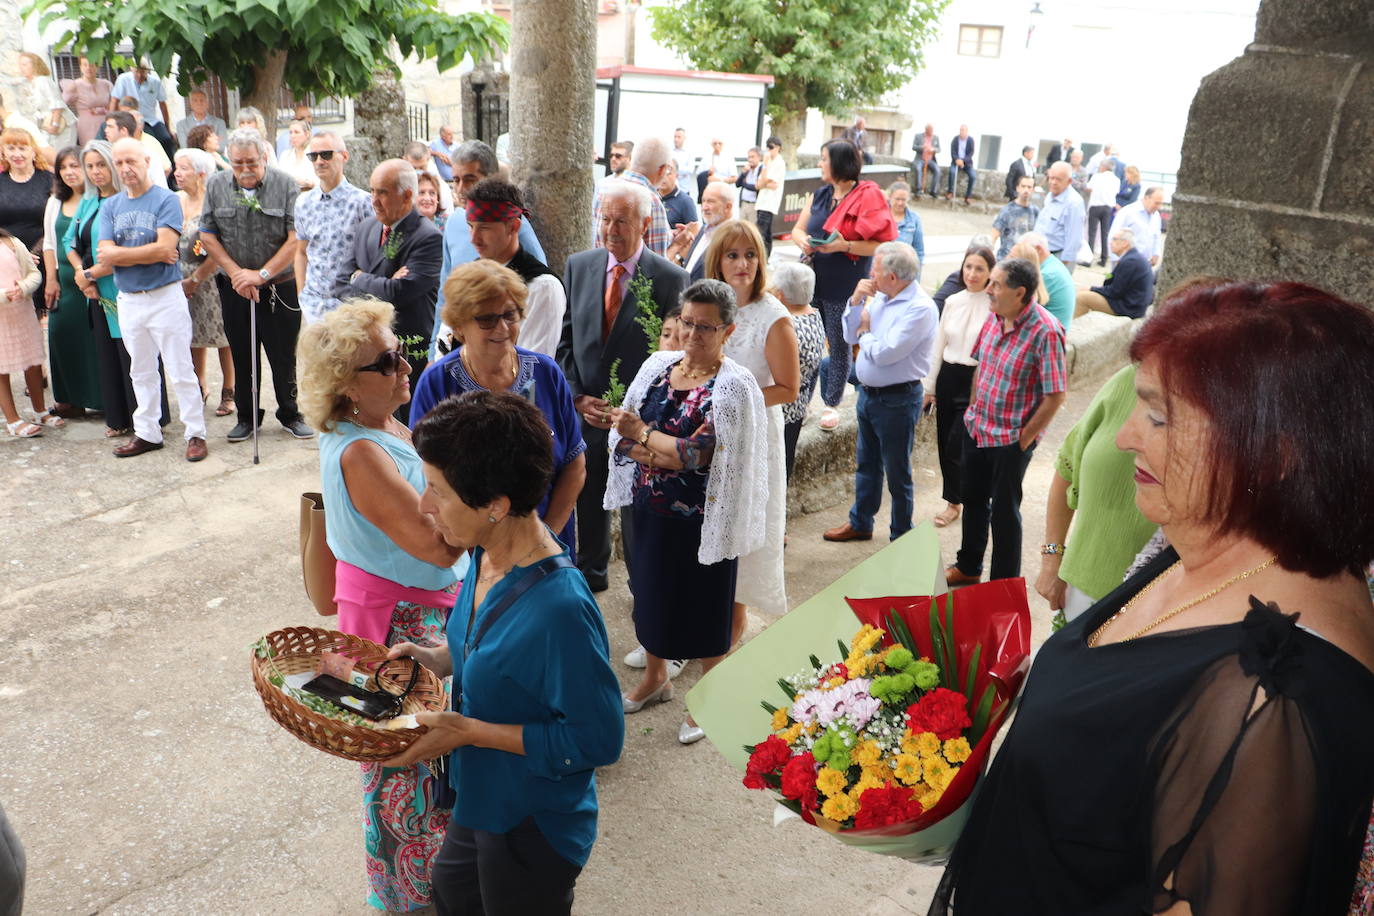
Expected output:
(892, 689)
(833, 747)
(898, 657)
(926, 675)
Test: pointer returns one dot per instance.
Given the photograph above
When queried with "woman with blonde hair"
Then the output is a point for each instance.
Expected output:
(293, 161)
(484, 304)
(39, 100)
(396, 577)
(252, 119)
(91, 96)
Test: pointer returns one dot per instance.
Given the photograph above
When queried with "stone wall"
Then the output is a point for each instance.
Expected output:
(1277, 173)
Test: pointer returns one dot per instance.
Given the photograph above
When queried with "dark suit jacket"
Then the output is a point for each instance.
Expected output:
(421, 250)
(584, 359)
(1018, 169)
(954, 151)
(1057, 152)
(1131, 287)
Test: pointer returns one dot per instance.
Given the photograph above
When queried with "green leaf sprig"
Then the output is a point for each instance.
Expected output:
(393, 244)
(649, 321)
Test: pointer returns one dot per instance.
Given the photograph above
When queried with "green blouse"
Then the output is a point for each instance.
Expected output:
(1108, 530)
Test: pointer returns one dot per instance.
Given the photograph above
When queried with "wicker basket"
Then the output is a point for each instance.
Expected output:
(299, 649)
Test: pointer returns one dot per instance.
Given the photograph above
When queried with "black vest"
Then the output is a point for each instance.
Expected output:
(529, 267)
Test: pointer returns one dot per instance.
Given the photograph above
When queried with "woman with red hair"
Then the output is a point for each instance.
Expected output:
(1197, 741)
(25, 186)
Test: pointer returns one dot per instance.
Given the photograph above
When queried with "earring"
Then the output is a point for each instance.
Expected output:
(355, 408)
(492, 519)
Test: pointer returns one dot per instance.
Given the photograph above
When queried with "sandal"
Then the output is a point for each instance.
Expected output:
(23, 429)
(226, 403)
(830, 419)
(112, 433)
(948, 516)
(47, 418)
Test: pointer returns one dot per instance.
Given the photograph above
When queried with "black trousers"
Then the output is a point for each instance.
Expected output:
(594, 522)
(791, 432)
(1099, 221)
(764, 219)
(477, 873)
(279, 321)
(992, 492)
(116, 388)
(953, 388)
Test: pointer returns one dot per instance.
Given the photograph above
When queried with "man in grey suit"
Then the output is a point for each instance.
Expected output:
(598, 329)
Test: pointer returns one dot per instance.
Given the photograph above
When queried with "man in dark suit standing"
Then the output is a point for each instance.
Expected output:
(961, 160)
(1059, 153)
(598, 329)
(396, 257)
(1023, 167)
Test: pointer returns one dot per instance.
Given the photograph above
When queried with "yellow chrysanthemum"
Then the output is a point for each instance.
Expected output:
(792, 734)
(927, 744)
(835, 681)
(779, 720)
(908, 769)
(864, 640)
(957, 750)
(867, 753)
(861, 665)
(831, 781)
(839, 808)
(930, 797)
(811, 727)
(881, 773)
(937, 772)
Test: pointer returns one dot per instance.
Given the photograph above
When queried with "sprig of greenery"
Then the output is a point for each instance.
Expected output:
(413, 347)
(393, 244)
(615, 394)
(649, 321)
(109, 305)
(251, 203)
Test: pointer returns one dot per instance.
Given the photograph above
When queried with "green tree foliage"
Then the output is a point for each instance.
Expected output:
(833, 55)
(328, 47)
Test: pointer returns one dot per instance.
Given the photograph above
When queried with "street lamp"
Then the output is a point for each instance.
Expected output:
(1035, 13)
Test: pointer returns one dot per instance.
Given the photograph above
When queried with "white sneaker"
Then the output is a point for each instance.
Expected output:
(638, 658)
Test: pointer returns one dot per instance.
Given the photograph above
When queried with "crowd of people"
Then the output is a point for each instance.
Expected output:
(480, 418)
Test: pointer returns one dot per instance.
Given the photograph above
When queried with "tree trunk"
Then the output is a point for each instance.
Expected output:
(266, 94)
(790, 121)
(552, 102)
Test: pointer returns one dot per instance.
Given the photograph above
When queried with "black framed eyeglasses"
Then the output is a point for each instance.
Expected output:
(510, 316)
(387, 363)
(325, 154)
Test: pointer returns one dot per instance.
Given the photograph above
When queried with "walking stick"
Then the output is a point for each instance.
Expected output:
(253, 369)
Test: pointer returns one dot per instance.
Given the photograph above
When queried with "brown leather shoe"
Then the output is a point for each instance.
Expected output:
(846, 533)
(136, 446)
(195, 449)
(955, 576)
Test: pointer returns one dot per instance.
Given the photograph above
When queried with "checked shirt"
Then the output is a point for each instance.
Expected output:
(658, 235)
(1016, 370)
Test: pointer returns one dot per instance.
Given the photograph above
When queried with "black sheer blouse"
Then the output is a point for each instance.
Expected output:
(1230, 767)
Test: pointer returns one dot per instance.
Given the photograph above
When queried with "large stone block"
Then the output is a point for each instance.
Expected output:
(1257, 127)
(1255, 243)
(1350, 179)
(1341, 26)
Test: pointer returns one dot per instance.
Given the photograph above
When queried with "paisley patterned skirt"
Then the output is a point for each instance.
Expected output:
(402, 827)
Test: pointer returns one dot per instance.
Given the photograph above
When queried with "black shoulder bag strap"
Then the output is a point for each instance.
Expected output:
(445, 797)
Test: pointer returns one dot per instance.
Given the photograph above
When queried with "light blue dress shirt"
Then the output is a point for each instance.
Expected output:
(909, 231)
(1061, 223)
(896, 348)
(149, 93)
(458, 250)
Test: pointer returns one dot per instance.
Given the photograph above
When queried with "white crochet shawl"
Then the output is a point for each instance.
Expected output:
(737, 486)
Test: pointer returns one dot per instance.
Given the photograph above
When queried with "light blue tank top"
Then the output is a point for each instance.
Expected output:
(356, 540)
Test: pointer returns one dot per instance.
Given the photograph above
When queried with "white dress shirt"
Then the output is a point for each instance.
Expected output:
(896, 347)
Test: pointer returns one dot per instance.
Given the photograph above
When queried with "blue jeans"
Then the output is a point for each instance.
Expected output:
(887, 431)
(954, 179)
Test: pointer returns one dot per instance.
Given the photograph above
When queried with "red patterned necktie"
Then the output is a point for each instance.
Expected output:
(386, 231)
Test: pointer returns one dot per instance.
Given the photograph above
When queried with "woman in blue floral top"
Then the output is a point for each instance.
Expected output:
(688, 452)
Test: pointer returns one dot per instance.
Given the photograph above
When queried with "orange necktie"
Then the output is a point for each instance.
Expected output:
(613, 297)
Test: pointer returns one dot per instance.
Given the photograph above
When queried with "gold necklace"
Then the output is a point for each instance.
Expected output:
(693, 376)
(1097, 634)
(493, 576)
(467, 364)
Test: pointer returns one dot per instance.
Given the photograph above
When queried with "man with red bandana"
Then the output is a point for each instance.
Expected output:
(494, 212)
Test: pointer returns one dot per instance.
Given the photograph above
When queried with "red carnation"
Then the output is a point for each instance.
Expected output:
(768, 757)
(888, 805)
(798, 776)
(839, 669)
(942, 711)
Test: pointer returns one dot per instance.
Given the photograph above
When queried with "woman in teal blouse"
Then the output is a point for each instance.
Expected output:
(538, 706)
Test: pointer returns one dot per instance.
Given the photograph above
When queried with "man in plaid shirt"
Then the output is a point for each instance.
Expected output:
(1019, 384)
(647, 168)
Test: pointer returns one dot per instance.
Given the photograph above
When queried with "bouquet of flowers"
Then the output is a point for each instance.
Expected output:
(883, 745)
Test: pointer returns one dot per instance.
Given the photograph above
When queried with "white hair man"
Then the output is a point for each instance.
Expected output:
(1129, 289)
(649, 164)
(1143, 219)
(139, 231)
(688, 249)
(1061, 218)
(893, 323)
(327, 218)
(598, 332)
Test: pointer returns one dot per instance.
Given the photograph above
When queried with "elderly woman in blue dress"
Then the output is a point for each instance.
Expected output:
(485, 303)
(689, 451)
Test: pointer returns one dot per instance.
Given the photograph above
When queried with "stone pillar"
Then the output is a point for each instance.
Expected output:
(11, 43)
(553, 92)
(379, 127)
(1277, 173)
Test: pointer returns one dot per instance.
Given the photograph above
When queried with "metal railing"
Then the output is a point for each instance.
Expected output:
(323, 109)
(417, 121)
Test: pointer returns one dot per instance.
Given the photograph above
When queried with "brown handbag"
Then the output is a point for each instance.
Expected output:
(317, 560)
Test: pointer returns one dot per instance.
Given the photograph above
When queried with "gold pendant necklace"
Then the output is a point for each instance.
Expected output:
(691, 375)
(1097, 634)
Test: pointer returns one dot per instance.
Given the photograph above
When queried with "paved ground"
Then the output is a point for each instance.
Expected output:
(143, 776)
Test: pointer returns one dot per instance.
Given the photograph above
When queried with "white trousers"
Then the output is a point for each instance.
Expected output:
(1076, 602)
(153, 323)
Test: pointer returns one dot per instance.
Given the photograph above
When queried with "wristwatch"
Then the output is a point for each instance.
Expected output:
(87, 274)
(265, 273)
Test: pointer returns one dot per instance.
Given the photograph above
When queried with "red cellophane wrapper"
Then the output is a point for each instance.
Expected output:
(993, 615)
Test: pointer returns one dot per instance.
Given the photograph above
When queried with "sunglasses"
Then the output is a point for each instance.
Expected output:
(487, 322)
(387, 363)
(325, 154)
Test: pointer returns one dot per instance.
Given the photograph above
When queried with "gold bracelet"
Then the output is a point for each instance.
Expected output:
(644, 436)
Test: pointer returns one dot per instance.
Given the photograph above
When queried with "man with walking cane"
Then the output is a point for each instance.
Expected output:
(893, 322)
(248, 228)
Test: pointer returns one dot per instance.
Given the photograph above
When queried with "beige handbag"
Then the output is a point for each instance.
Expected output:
(317, 560)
